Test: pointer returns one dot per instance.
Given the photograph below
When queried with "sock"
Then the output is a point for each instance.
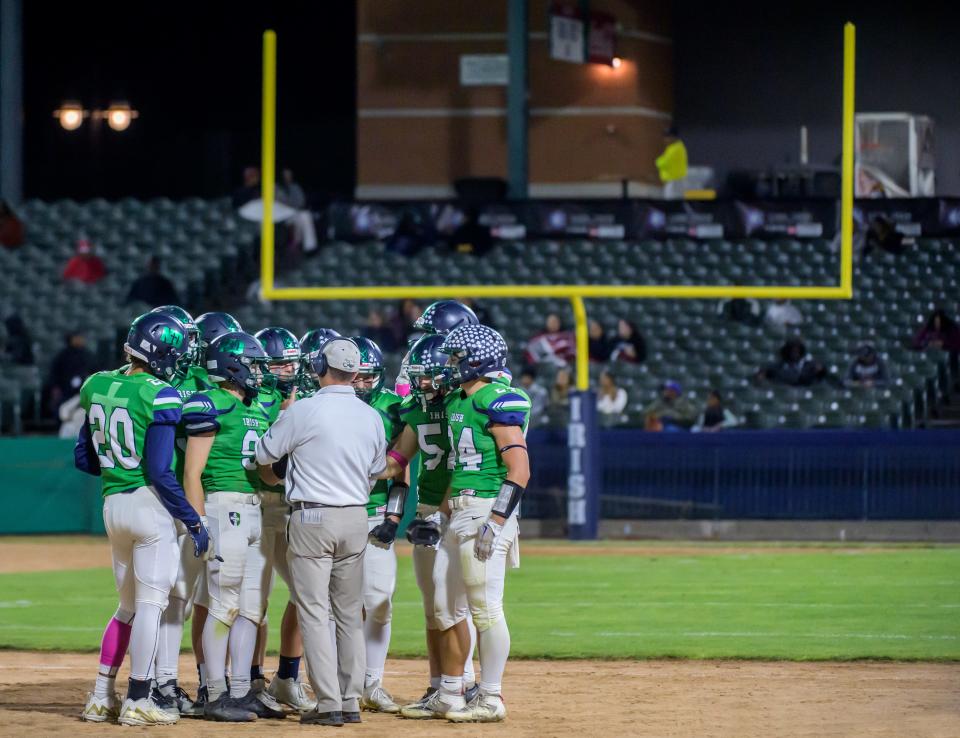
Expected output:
(138, 689)
(215, 688)
(434, 682)
(377, 638)
(113, 647)
(256, 672)
(143, 640)
(494, 647)
(202, 674)
(215, 638)
(171, 634)
(243, 642)
(289, 667)
(469, 677)
(451, 684)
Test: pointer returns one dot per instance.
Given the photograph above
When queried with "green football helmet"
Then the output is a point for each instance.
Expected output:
(211, 326)
(193, 333)
(371, 371)
(425, 366)
(283, 348)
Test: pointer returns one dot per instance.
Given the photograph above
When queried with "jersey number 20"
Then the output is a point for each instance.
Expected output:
(109, 433)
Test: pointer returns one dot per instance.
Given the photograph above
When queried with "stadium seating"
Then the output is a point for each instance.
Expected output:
(211, 253)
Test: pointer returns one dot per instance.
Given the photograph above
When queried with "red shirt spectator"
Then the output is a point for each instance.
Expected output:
(554, 346)
(11, 227)
(85, 266)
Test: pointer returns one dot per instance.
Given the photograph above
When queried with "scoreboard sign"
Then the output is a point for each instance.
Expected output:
(567, 41)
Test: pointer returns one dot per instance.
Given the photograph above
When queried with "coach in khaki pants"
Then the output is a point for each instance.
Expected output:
(335, 446)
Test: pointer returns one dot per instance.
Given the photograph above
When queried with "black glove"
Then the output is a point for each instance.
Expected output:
(384, 534)
(423, 532)
(280, 467)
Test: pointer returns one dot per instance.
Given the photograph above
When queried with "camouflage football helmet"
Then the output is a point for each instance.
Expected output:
(211, 326)
(371, 369)
(425, 366)
(311, 343)
(193, 333)
(283, 348)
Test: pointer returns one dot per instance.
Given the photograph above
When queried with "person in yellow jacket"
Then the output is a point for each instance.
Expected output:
(672, 165)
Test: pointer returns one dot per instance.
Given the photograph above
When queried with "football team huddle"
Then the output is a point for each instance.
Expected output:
(198, 530)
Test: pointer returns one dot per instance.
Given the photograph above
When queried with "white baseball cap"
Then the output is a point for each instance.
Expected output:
(342, 353)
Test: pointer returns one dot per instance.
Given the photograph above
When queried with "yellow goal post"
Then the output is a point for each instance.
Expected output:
(574, 292)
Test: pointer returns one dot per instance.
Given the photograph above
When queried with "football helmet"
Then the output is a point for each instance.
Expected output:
(283, 348)
(425, 366)
(311, 343)
(210, 326)
(474, 351)
(371, 370)
(159, 340)
(238, 358)
(193, 333)
(443, 316)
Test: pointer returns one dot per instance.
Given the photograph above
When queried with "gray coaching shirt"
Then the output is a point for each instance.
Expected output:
(336, 444)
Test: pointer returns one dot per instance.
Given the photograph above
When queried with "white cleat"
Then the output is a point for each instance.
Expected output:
(485, 708)
(437, 706)
(144, 712)
(291, 692)
(376, 699)
(101, 709)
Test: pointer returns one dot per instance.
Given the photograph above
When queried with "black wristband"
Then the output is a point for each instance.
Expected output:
(508, 499)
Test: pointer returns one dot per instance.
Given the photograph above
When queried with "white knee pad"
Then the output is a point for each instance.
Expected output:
(484, 582)
(449, 594)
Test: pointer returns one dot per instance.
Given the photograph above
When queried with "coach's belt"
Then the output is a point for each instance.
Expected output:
(314, 505)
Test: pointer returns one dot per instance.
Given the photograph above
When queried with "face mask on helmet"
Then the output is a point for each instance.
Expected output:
(283, 376)
(367, 386)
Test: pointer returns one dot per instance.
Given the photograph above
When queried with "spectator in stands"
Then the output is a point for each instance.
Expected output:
(72, 417)
(471, 236)
(539, 397)
(401, 322)
(69, 368)
(554, 346)
(303, 233)
(250, 189)
(611, 400)
(782, 316)
(628, 344)
(939, 332)
(11, 227)
(715, 416)
(410, 235)
(671, 411)
(741, 310)
(867, 369)
(378, 330)
(599, 343)
(560, 391)
(672, 165)
(795, 367)
(153, 288)
(19, 345)
(84, 266)
(883, 235)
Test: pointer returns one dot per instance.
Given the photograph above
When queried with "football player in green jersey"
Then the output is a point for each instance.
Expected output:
(168, 693)
(380, 560)
(223, 426)
(486, 426)
(128, 441)
(285, 362)
(425, 432)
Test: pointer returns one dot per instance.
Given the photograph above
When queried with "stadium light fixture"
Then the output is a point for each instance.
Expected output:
(616, 62)
(71, 115)
(119, 115)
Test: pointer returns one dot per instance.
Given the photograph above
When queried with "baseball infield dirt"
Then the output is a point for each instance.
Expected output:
(41, 695)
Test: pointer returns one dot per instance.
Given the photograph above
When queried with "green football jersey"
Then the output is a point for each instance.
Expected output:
(387, 403)
(195, 380)
(270, 402)
(119, 408)
(430, 426)
(475, 460)
(231, 466)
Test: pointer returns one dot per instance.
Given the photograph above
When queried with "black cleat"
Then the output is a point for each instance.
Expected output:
(313, 717)
(226, 709)
(262, 705)
(470, 694)
(351, 717)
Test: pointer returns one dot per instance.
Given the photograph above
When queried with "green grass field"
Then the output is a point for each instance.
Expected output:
(834, 603)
